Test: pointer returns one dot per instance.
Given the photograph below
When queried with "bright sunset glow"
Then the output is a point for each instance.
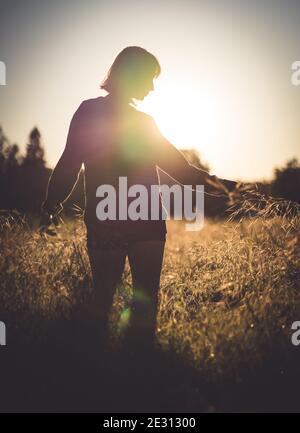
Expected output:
(209, 116)
(186, 116)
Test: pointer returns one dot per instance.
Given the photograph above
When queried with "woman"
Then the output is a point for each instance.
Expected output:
(112, 139)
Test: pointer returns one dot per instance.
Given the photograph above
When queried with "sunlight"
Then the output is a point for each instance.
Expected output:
(189, 117)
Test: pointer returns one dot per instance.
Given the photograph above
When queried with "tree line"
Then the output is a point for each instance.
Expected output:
(24, 178)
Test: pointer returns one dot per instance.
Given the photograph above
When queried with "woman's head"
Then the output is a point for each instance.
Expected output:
(131, 74)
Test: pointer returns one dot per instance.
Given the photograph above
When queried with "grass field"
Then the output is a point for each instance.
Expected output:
(229, 295)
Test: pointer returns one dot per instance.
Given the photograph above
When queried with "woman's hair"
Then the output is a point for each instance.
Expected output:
(130, 65)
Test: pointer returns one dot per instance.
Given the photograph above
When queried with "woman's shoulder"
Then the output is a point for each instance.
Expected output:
(89, 108)
(92, 103)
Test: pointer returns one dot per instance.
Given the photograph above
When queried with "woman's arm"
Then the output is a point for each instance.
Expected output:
(65, 175)
(172, 161)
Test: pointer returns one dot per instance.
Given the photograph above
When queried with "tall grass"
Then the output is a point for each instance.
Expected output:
(229, 293)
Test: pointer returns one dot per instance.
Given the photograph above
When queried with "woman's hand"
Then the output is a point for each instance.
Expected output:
(49, 218)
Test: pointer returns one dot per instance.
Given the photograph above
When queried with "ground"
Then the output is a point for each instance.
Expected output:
(229, 295)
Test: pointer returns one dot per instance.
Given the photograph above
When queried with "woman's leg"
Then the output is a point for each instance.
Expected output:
(145, 259)
(107, 265)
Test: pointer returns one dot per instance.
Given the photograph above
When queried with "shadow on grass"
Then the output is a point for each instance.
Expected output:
(62, 369)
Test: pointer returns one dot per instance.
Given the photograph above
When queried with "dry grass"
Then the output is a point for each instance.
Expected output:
(228, 293)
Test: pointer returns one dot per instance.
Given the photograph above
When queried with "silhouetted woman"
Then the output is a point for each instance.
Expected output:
(112, 139)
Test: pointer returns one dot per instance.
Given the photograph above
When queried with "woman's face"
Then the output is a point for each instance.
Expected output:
(142, 87)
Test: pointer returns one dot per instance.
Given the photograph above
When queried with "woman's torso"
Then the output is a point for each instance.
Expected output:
(115, 144)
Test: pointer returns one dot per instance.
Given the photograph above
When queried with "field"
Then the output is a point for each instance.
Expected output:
(229, 295)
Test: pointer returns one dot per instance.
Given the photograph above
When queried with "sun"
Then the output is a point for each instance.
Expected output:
(188, 117)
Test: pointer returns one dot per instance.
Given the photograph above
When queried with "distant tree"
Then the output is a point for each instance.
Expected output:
(9, 171)
(3, 150)
(35, 174)
(34, 150)
(286, 183)
(13, 158)
(2, 165)
(23, 179)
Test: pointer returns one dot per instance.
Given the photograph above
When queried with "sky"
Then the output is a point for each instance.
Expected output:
(225, 87)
